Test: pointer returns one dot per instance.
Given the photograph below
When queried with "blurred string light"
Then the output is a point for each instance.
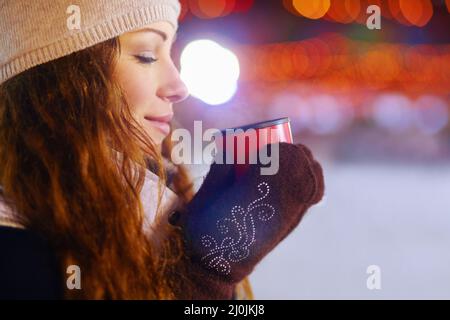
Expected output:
(210, 71)
(407, 12)
(447, 2)
(313, 109)
(211, 9)
(398, 113)
(321, 113)
(337, 62)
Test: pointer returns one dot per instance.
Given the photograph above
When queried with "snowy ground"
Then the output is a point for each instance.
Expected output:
(394, 217)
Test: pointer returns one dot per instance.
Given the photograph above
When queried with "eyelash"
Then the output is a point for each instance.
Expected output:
(145, 60)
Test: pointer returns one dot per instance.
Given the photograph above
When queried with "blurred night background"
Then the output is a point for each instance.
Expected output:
(372, 104)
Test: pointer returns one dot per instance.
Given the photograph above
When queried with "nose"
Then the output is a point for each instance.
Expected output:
(173, 90)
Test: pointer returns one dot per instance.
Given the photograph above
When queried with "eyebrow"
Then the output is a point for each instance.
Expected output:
(158, 32)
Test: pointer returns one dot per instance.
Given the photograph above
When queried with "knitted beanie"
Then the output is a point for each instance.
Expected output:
(38, 31)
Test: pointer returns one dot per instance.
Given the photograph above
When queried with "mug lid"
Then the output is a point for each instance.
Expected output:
(258, 125)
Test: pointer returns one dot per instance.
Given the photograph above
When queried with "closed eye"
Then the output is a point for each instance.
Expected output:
(145, 60)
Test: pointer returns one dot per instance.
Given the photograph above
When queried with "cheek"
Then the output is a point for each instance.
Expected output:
(136, 81)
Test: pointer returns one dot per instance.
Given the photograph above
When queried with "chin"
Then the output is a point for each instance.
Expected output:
(157, 137)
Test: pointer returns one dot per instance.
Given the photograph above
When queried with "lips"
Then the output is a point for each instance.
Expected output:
(161, 122)
(166, 118)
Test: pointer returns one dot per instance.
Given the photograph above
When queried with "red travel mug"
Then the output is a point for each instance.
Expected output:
(243, 143)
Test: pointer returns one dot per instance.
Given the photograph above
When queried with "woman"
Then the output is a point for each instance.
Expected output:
(86, 95)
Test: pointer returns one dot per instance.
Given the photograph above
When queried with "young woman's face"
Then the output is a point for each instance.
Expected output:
(149, 78)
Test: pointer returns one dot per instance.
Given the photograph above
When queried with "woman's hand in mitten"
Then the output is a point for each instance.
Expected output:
(235, 220)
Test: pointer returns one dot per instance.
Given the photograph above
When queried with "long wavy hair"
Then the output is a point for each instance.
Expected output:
(61, 124)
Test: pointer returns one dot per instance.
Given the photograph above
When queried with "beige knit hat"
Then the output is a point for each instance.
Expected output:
(33, 32)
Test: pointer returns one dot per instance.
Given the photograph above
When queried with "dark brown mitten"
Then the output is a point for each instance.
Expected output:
(235, 220)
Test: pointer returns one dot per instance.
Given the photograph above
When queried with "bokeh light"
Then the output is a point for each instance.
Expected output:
(243, 6)
(311, 9)
(344, 11)
(394, 7)
(327, 115)
(210, 71)
(207, 9)
(417, 12)
(431, 114)
(211, 9)
(393, 112)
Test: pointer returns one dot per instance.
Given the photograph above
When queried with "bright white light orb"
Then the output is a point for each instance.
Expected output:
(210, 71)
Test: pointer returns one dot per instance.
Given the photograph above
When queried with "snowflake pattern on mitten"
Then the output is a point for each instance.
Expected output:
(237, 233)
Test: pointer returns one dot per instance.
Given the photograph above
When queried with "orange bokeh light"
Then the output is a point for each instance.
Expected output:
(335, 62)
(396, 12)
(344, 11)
(209, 9)
(300, 60)
(406, 12)
(353, 8)
(380, 66)
(311, 9)
(417, 12)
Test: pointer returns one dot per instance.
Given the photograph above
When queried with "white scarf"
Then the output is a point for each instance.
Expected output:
(148, 194)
